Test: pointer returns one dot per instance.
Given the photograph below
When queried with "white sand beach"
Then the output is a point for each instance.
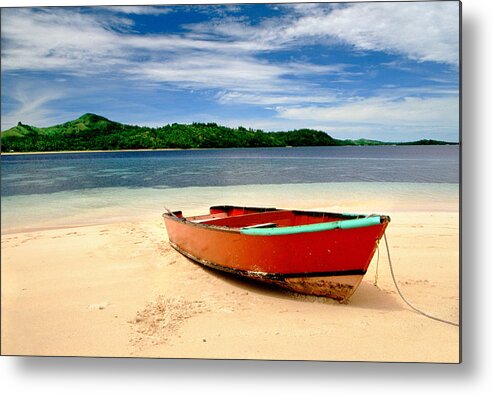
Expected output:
(119, 289)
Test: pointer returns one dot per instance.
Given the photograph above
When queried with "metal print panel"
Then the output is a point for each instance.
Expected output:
(232, 181)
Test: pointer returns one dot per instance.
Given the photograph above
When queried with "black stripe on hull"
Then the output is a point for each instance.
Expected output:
(268, 276)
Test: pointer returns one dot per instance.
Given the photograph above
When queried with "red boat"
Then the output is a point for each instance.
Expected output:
(310, 252)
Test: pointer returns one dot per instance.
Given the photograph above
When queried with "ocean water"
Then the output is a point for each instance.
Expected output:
(83, 188)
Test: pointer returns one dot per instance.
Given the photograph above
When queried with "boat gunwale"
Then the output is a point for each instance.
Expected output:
(173, 216)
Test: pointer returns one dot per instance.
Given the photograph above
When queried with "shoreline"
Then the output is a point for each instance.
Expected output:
(219, 148)
(100, 151)
(61, 227)
(123, 277)
(140, 150)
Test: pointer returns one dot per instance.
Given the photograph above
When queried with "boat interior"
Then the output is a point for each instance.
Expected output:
(257, 217)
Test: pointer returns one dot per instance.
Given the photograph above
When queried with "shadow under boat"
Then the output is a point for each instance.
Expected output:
(367, 296)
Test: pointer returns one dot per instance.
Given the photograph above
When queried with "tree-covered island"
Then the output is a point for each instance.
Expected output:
(94, 132)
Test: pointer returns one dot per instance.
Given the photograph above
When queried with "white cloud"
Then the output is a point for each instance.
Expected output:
(208, 72)
(426, 115)
(411, 110)
(81, 43)
(32, 106)
(270, 99)
(420, 31)
(175, 43)
(242, 77)
(59, 40)
(70, 42)
(423, 31)
(140, 10)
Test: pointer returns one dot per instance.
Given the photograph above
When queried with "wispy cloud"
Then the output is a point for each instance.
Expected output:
(425, 115)
(203, 71)
(420, 31)
(273, 99)
(69, 42)
(58, 39)
(140, 10)
(74, 42)
(410, 110)
(32, 106)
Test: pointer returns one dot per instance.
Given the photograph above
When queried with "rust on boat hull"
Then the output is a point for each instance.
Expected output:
(337, 286)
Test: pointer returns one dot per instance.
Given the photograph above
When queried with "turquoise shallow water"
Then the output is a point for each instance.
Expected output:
(108, 205)
(84, 188)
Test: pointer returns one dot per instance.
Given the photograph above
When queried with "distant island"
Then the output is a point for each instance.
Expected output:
(93, 132)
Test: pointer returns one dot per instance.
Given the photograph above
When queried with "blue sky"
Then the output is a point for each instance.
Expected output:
(387, 71)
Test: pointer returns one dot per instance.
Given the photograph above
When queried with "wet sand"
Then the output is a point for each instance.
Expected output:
(120, 290)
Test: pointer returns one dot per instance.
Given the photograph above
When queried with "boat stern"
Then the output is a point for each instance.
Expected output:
(339, 288)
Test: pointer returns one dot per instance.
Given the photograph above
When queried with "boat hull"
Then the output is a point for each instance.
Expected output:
(336, 286)
(327, 263)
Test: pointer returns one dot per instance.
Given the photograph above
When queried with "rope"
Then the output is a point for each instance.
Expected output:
(375, 282)
(402, 296)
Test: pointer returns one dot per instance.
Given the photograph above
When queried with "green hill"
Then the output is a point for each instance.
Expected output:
(94, 132)
(21, 131)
